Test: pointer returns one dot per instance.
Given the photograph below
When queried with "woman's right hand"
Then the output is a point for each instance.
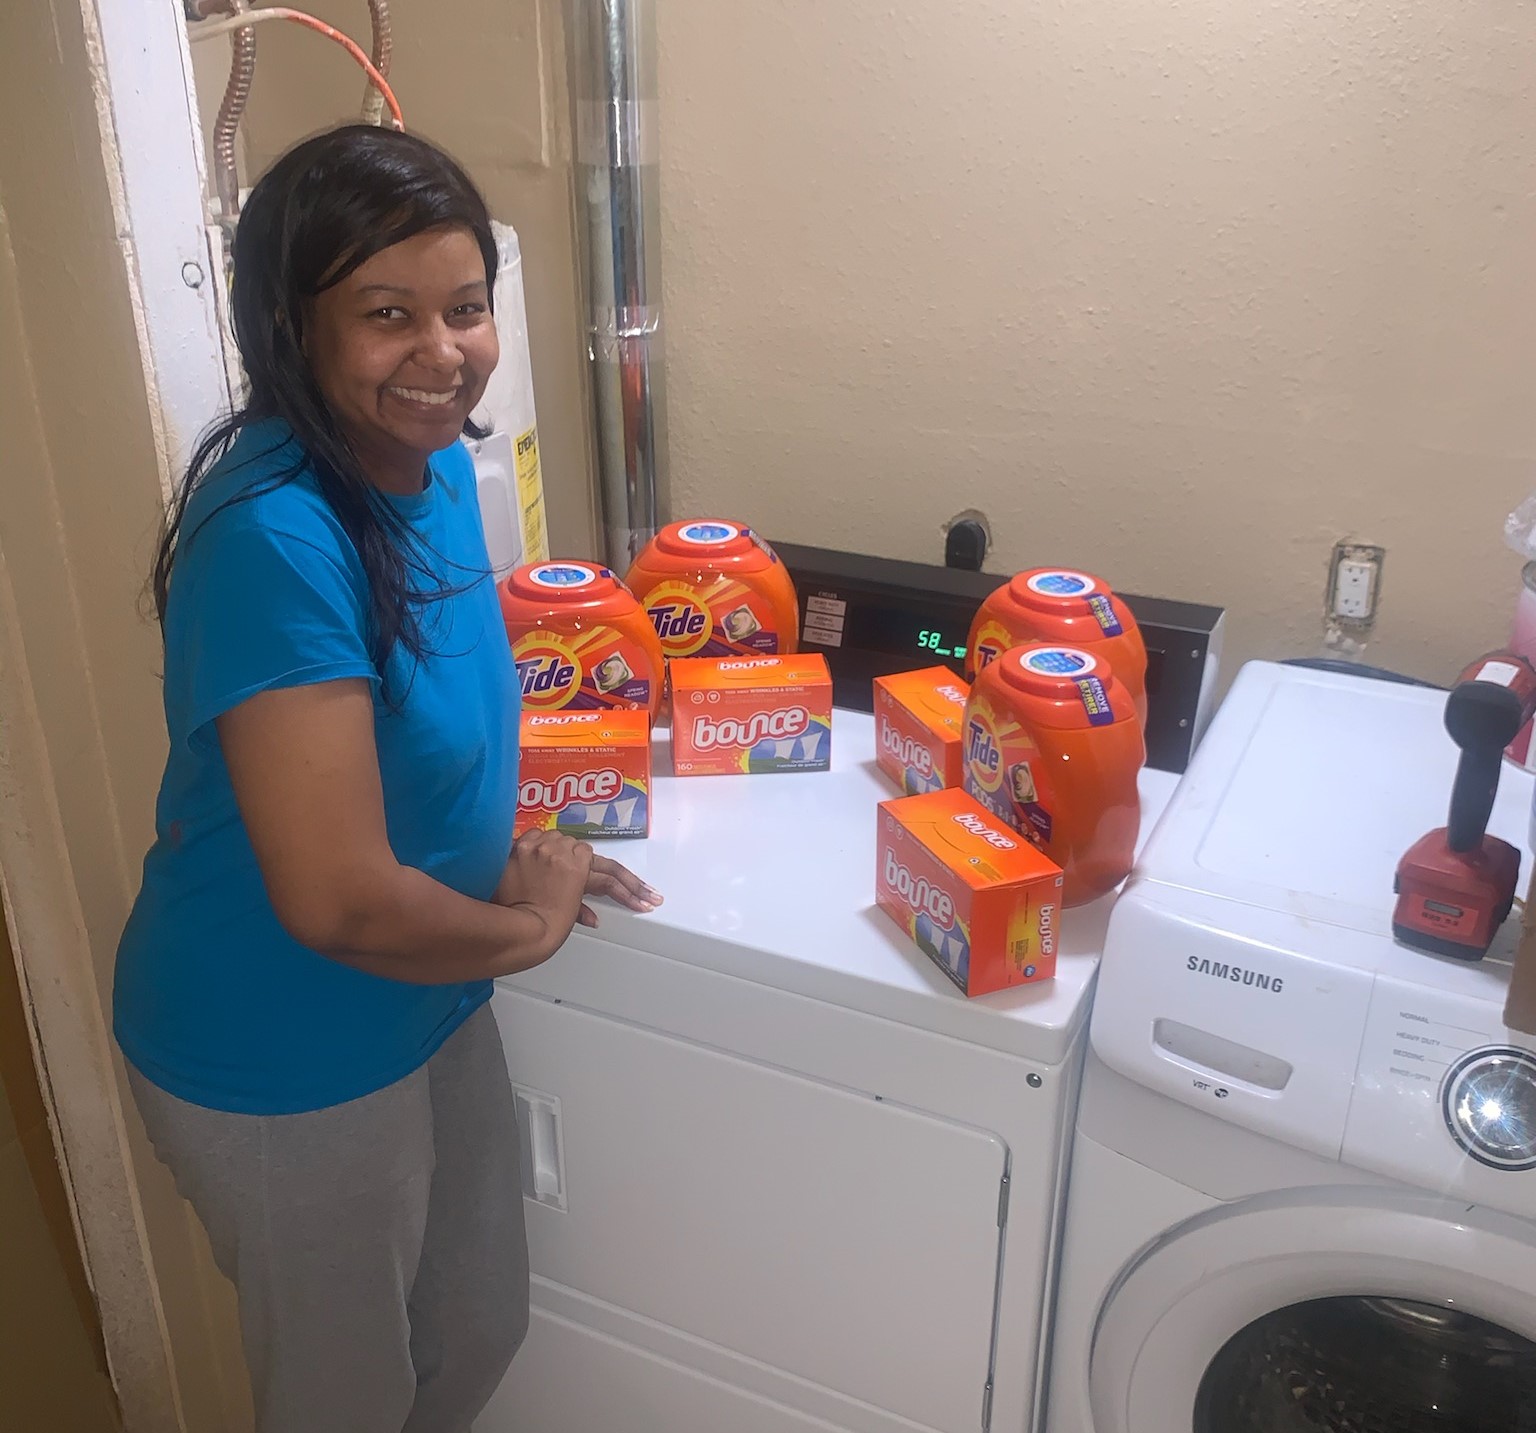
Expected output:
(547, 873)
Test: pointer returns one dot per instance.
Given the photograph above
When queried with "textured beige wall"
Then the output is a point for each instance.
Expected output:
(1182, 292)
(486, 80)
(80, 495)
(53, 1372)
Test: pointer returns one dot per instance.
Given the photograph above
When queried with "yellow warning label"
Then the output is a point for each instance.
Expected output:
(530, 498)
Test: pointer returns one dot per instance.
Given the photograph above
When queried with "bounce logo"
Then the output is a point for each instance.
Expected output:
(709, 733)
(601, 785)
(680, 621)
(909, 753)
(983, 752)
(567, 719)
(993, 837)
(547, 671)
(920, 893)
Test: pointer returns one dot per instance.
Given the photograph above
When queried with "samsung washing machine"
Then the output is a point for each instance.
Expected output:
(1303, 1186)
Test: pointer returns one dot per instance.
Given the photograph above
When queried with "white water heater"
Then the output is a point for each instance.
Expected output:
(507, 461)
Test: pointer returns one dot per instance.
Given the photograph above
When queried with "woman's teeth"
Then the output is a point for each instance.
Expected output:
(423, 395)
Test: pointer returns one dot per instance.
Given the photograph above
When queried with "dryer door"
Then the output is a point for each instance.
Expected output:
(1315, 1312)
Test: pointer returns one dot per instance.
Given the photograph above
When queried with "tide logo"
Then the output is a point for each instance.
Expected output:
(990, 834)
(991, 642)
(919, 893)
(983, 752)
(911, 753)
(547, 671)
(601, 785)
(680, 619)
(709, 733)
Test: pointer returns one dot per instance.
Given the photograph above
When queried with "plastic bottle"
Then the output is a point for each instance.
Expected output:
(1076, 609)
(716, 589)
(580, 639)
(1053, 747)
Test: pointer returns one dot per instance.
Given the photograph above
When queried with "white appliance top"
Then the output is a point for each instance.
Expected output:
(1307, 792)
(1250, 968)
(772, 878)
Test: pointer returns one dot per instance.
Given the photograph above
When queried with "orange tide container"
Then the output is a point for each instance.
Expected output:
(1053, 747)
(580, 639)
(1073, 609)
(716, 589)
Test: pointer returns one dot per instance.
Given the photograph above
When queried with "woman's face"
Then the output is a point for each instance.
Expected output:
(402, 348)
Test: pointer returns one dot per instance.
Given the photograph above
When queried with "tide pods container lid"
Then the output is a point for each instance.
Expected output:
(1061, 687)
(713, 540)
(1064, 593)
(1055, 589)
(545, 585)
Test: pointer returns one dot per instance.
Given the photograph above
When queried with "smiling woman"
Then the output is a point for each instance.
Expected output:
(301, 989)
(402, 348)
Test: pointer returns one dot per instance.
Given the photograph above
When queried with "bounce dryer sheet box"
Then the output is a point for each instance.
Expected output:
(918, 717)
(587, 773)
(751, 714)
(973, 894)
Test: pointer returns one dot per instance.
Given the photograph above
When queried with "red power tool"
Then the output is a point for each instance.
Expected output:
(1455, 886)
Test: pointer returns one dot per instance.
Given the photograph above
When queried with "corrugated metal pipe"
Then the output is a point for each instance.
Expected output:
(242, 72)
(613, 86)
(383, 48)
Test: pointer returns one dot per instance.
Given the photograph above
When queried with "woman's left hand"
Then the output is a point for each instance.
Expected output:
(619, 884)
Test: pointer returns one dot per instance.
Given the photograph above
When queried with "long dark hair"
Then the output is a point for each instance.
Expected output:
(325, 207)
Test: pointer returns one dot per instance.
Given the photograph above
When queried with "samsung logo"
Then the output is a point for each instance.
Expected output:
(1238, 974)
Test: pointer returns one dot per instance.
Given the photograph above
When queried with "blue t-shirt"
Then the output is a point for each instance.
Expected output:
(214, 1002)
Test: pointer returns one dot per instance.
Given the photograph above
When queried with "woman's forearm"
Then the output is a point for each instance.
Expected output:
(406, 926)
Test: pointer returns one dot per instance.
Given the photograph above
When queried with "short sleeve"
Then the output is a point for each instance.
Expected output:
(455, 470)
(253, 609)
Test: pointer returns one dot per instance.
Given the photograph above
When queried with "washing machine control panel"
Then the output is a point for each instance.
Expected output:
(1444, 1097)
(1489, 1099)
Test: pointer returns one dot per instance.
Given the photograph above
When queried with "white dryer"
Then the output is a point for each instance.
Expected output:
(780, 1175)
(1303, 1189)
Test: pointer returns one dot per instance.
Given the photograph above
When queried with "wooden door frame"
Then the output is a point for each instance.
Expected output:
(133, 55)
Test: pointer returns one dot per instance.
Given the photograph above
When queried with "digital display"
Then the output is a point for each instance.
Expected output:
(872, 616)
(932, 633)
(907, 631)
(930, 639)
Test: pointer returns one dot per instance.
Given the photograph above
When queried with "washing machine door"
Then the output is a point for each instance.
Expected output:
(1324, 1312)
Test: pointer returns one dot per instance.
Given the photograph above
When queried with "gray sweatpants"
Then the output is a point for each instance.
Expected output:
(377, 1247)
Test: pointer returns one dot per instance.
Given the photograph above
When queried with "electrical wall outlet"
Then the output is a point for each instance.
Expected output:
(1354, 584)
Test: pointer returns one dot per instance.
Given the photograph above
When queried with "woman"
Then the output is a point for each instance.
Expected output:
(302, 986)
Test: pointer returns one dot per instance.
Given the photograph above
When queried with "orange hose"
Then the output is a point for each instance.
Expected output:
(278, 12)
